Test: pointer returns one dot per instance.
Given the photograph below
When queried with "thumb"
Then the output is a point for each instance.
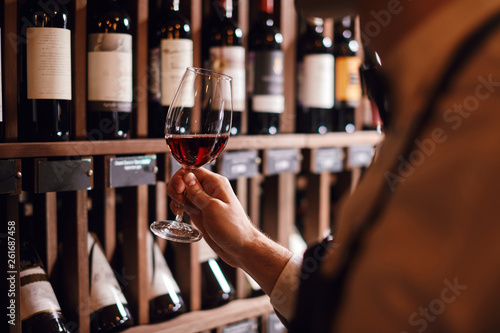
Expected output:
(195, 192)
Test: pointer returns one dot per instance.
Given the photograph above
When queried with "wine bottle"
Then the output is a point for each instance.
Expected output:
(371, 116)
(156, 125)
(315, 69)
(265, 70)
(109, 84)
(2, 125)
(40, 310)
(45, 78)
(165, 299)
(374, 92)
(108, 306)
(216, 289)
(347, 80)
(171, 51)
(227, 55)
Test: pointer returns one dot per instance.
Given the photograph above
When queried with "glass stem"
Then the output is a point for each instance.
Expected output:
(180, 212)
(179, 219)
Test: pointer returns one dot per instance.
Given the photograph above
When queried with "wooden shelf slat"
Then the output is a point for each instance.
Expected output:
(146, 146)
(199, 321)
(81, 148)
(342, 139)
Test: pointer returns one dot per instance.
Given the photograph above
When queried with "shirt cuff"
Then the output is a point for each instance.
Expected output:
(284, 294)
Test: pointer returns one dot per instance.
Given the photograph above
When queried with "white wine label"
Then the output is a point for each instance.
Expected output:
(104, 288)
(230, 60)
(317, 89)
(37, 294)
(268, 103)
(110, 70)
(48, 63)
(162, 280)
(176, 56)
(205, 252)
(296, 242)
(253, 284)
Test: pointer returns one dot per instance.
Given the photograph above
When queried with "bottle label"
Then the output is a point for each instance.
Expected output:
(253, 284)
(162, 280)
(230, 60)
(347, 80)
(316, 88)
(154, 75)
(176, 56)
(266, 81)
(48, 56)
(205, 252)
(104, 288)
(110, 72)
(296, 243)
(37, 295)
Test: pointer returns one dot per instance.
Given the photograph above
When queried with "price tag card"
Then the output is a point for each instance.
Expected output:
(175, 166)
(236, 164)
(277, 161)
(244, 326)
(328, 159)
(132, 171)
(360, 155)
(274, 324)
(8, 180)
(68, 175)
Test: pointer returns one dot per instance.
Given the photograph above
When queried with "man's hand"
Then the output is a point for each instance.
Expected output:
(217, 213)
(215, 210)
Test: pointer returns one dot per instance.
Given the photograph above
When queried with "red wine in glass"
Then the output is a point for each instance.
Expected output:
(194, 151)
(197, 128)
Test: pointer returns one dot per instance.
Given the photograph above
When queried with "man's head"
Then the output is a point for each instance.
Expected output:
(328, 8)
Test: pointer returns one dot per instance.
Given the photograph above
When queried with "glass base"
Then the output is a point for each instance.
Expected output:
(175, 231)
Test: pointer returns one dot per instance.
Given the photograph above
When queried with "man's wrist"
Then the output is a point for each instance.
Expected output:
(264, 260)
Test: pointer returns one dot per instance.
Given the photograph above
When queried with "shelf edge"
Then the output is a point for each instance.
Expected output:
(198, 321)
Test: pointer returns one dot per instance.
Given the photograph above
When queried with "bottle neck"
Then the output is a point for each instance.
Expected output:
(267, 7)
(173, 5)
(344, 28)
(315, 24)
(227, 8)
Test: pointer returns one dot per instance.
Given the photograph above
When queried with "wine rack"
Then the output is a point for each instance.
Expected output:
(268, 198)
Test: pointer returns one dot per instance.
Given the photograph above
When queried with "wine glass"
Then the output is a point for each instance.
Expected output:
(197, 128)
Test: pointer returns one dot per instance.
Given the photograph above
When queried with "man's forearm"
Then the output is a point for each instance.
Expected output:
(264, 260)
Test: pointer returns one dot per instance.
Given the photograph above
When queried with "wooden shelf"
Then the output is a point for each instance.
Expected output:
(82, 148)
(146, 146)
(199, 321)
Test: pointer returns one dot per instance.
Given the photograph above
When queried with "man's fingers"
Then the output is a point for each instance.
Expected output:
(189, 208)
(176, 185)
(195, 192)
(214, 184)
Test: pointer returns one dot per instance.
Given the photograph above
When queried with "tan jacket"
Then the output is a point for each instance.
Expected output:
(431, 263)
